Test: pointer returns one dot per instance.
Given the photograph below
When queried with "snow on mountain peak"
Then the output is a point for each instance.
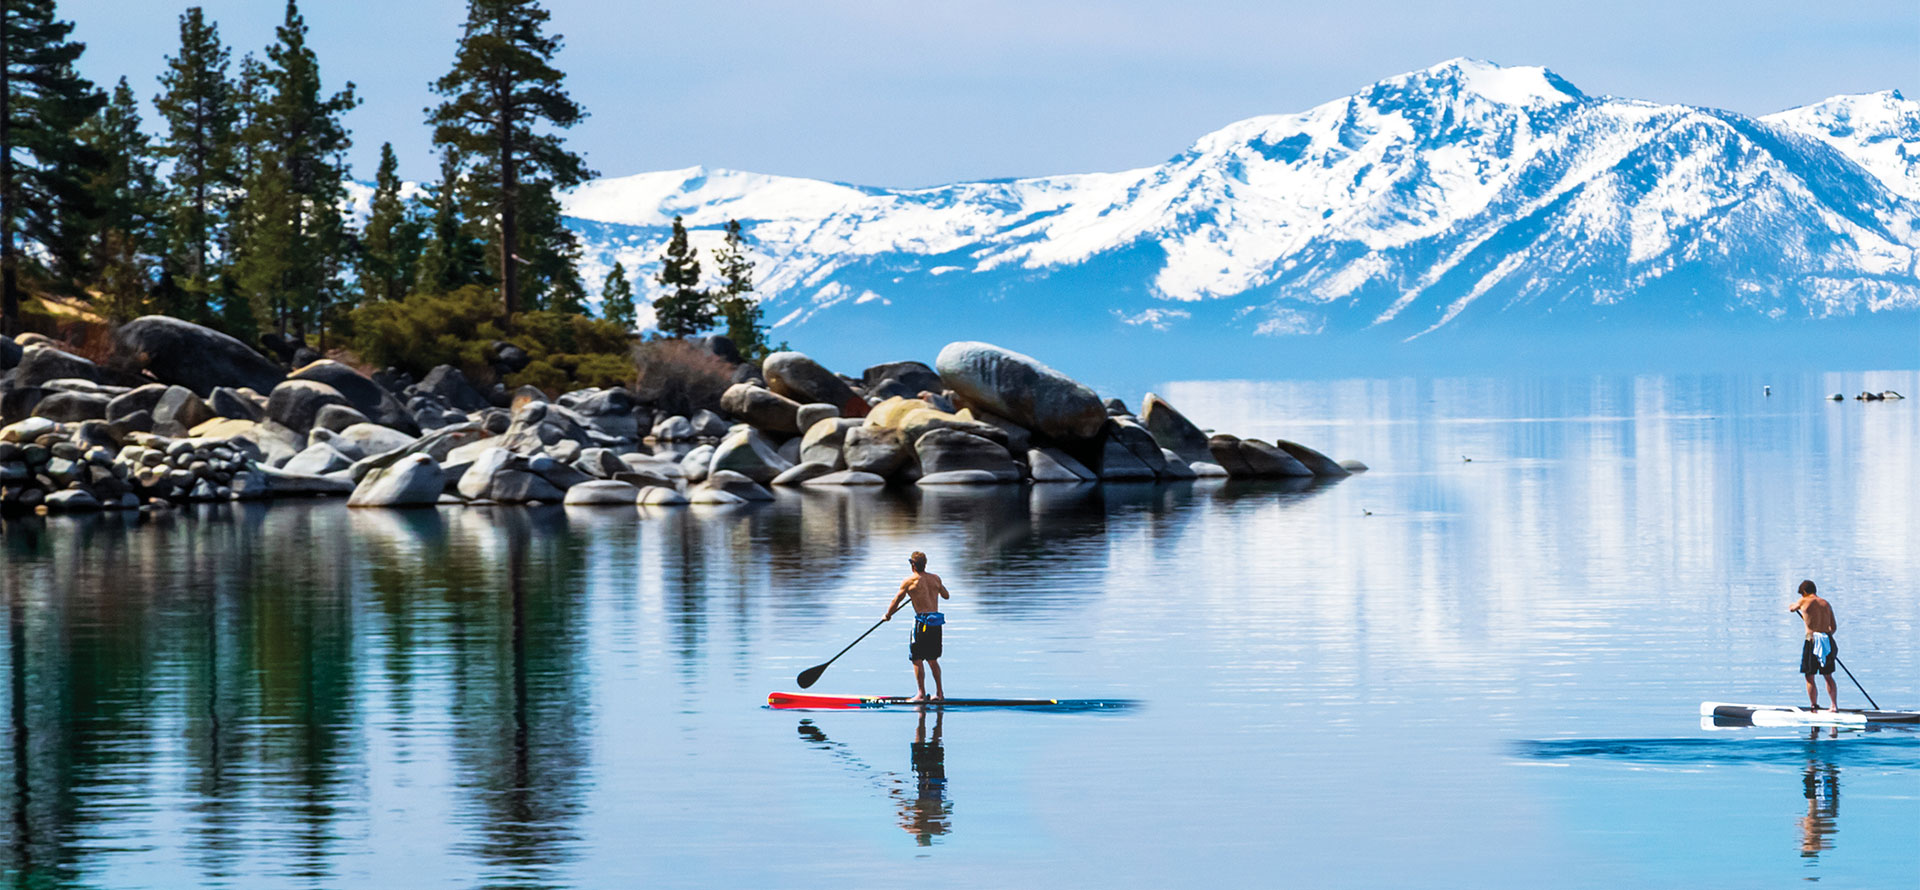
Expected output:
(1879, 131)
(1426, 199)
(1525, 86)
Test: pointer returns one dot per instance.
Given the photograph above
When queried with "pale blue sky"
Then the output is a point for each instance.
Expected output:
(917, 93)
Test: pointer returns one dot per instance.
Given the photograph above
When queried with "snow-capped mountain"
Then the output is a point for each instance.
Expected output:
(1463, 196)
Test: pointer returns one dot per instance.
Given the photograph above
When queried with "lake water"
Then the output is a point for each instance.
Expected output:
(1441, 673)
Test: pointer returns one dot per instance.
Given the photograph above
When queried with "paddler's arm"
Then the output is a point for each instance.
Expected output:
(895, 603)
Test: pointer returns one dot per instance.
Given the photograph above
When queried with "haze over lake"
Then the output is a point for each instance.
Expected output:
(1477, 664)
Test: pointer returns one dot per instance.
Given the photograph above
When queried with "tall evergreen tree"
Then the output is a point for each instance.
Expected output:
(43, 100)
(616, 296)
(503, 99)
(296, 244)
(735, 301)
(684, 310)
(201, 109)
(122, 200)
(451, 258)
(391, 241)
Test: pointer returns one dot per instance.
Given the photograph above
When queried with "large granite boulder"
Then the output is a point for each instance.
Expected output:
(295, 404)
(500, 475)
(1129, 433)
(318, 459)
(364, 395)
(882, 452)
(229, 402)
(1315, 462)
(41, 363)
(1118, 463)
(695, 464)
(337, 417)
(184, 353)
(1225, 449)
(912, 377)
(142, 398)
(735, 484)
(748, 453)
(1018, 438)
(763, 409)
(1266, 461)
(824, 439)
(72, 407)
(949, 450)
(1173, 430)
(1021, 389)
(539, 426)
(412, 481)
(708, 425)
(804, 380)
(371, 439)
(800, 473)
(813, 413)
(673, 429)
(178, 411)
(1054, 465)
(602, 493)
(452, 387)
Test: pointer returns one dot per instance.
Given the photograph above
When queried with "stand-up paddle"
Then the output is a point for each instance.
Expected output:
(1856, 683)
(811, 675)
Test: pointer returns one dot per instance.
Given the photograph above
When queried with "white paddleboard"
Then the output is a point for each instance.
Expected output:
(1781, 715)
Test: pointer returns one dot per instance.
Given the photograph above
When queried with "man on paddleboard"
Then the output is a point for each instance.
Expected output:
(926, 591)
(1819, 652)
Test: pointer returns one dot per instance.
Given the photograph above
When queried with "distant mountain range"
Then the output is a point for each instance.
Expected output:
(1466, 201)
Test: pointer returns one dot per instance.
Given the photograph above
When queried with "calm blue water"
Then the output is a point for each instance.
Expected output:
(1442, 673)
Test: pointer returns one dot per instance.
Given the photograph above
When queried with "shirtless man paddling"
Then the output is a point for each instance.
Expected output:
(926, 592)
(1819, 652)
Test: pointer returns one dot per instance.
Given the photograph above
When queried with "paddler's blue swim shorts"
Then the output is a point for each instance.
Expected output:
(925, 645)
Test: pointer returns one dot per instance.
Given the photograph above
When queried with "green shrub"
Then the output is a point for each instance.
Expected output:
(566, 351)
(424, 330)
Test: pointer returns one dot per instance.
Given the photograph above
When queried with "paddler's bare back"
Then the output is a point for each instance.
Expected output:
(924, 589)
(1817, 612)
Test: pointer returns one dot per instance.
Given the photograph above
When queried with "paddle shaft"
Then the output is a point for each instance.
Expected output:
(1850, 676)
(1856, 683)
(819, 668)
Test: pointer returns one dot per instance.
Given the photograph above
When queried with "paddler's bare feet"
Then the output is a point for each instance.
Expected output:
(918, 698)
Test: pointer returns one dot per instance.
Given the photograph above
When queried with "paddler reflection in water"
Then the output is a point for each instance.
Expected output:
(1821, 784)
(926, 591)
(1817, 654)
(927, 814)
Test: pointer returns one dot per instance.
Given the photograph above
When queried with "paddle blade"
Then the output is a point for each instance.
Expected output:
(810, 676)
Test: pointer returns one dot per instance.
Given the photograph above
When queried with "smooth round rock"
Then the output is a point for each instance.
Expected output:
(1023, 390)
(601, 492)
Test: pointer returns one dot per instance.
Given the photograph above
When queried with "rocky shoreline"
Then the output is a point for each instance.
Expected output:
(182, 414)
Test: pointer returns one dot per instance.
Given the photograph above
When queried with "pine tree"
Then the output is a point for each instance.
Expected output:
(43, 100)
(735, 301)
(616, 296)
(122, 200)
(684, 310)
(502, 89)
(391, 242)
(201, 110)
(296, 242)
(451, 258)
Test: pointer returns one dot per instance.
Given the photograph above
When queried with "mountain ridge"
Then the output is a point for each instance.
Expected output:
(1463, 194)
